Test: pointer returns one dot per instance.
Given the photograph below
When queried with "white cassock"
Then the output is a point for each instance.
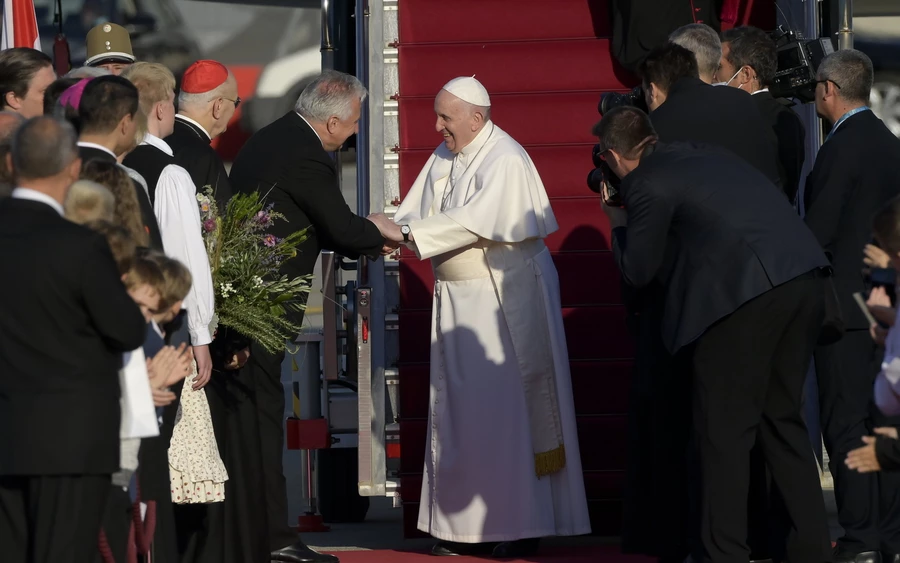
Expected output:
(480, 216)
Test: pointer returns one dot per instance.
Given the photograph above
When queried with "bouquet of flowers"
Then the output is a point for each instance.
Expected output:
(252, 297)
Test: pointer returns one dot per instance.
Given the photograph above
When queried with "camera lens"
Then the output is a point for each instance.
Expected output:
(595, 180)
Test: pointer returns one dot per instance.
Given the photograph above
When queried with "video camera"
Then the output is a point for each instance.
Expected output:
(610, 100)
(798, 61)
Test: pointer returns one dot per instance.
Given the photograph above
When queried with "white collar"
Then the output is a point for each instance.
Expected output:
(156, 329)
(156, 142)
(311, 127)
(479, 140)
(758, 91)
(98, 147)
(34, 195)
(183, 117)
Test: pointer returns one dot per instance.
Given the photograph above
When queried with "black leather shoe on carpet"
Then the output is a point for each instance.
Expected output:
(299, 553)
(841, 556)
(452, 548)
(514, 549)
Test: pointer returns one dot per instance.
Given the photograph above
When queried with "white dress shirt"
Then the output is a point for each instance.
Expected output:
(178, 215)
(34, 195)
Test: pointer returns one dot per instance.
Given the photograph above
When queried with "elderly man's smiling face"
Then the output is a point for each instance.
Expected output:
(458, 121)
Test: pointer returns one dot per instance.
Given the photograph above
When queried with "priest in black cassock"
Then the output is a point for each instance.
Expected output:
(206, 103)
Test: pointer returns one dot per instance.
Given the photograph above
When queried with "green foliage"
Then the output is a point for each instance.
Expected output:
(252, 297)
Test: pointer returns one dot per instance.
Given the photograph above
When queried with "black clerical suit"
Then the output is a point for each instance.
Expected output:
(193, 152)
(790, 136)
(66, 320)
(147, 217)
(659, 427)
(733, 259)
(285, 161)
(855, 174)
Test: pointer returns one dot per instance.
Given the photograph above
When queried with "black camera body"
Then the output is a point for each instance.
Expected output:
(603, 173)
(634, 98)
(798, 61)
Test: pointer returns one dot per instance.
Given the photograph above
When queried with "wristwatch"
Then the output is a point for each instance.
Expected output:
(404, 230)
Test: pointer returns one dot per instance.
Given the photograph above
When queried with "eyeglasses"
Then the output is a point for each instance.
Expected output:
(826, 80)
(236, 102)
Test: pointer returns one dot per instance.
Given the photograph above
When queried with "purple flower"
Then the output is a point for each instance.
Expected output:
(209, 225)
(270, 240)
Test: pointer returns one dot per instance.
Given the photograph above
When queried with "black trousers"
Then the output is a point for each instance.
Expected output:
(868, 503)
(51, 519)
(749, 373)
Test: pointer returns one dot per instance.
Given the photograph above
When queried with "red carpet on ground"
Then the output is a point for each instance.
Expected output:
(596, 554)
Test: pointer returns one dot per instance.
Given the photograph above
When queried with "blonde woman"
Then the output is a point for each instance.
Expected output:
(127, 211)
(88, 201)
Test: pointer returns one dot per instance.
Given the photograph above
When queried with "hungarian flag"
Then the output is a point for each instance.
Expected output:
(20, 27)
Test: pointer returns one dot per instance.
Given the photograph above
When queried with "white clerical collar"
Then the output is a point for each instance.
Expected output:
(758, 91)
(311, 127)
(96, 146)
(158, 143)
(479, 140)
(34, 195)
(156, 329)
(183, 117)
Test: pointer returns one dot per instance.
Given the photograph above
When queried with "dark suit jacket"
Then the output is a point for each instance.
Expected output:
(285, 161)
(147, 215)
(696, 112)
(790, 135)
(702, 222)
(66, 321)
(194, 153)
(855, 174)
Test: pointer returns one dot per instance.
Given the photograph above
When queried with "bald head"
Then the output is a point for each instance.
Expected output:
(44, 148)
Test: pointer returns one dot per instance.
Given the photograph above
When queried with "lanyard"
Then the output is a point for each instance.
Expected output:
(844, 117)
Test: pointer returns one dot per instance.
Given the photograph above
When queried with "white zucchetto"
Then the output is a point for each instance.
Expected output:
(467, 89)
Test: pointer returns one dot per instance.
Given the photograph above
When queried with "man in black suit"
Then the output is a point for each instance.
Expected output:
(854, 175)
(683, 108)
(108, 130)
(288, 162)
(66, 321)
(749, 61)
(206, 103)
(734, 260)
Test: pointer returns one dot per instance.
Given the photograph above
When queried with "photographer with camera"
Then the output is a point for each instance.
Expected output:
(734, 261)
(749, 61)
(854, 175)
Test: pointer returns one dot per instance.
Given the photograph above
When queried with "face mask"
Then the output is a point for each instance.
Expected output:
(730, 79)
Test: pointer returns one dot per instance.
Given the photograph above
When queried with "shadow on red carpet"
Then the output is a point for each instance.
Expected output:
(595, 554)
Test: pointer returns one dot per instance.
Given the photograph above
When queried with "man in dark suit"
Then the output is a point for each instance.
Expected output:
(734, 260)
(288, 162)
(108, 130)
(854, 175)
(66, 321)
(684, 108)
(206, 103)
(749, 62)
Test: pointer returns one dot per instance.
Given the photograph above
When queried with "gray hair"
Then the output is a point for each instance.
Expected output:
(330, 94)
(851, 71)
(197, 100)
(87, 72)
(704, 42)
(43, 147)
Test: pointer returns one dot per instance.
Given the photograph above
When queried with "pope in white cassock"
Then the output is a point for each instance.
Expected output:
(502, 467)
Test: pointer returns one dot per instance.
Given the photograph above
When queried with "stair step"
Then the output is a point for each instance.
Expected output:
(498, 20)
(531, 119)
(517, 67)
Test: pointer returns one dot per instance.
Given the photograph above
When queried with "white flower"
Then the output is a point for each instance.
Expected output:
(257, 281)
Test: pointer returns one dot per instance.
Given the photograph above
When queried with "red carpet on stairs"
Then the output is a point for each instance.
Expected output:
(545, 64)
(601, 554)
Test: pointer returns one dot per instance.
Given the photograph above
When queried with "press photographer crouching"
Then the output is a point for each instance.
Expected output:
(733, 260)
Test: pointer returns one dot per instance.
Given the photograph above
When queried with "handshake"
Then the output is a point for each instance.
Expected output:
(389, 230)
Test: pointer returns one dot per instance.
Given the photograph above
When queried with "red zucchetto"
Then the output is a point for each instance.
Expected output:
(203, 76)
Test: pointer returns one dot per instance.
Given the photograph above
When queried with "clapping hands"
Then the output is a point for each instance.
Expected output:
(169, 366)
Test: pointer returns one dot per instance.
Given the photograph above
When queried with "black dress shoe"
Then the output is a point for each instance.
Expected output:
(519, 548)
(299, 553)
(452, 548)
(842, 556)
(888, 558)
